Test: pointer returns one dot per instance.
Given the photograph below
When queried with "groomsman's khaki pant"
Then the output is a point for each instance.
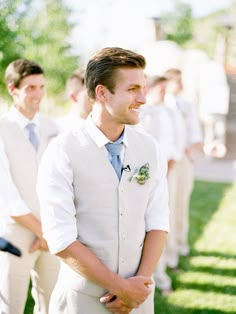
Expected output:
(185, 188)
(69, 298)
(170, 252)
(40, 266)
(162, 279)
(181, 180)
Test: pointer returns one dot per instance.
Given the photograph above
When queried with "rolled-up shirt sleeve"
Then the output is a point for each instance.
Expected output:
(157, 214)
(11, 203)
(55, 192)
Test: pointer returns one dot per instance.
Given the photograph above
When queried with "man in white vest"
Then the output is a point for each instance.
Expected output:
(105, 213)
(24, 135)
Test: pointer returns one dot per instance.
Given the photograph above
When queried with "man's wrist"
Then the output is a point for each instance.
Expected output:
(120, 286)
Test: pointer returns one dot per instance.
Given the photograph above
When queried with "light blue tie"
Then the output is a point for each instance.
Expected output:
(32, 135)
(115, 150)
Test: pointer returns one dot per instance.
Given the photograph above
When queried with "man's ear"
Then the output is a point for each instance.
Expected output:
(100, 92)
(73, 97)
(11, 89)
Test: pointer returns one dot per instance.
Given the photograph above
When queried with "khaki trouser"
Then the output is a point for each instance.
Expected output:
(68, 299)
(162, 280)
(180, 181)
(40, 266)
(185, 188)
(180, 185)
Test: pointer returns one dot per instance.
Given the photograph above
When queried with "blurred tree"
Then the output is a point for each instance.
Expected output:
(177, 24)
(39, 31)
(11, 13)
(46, 39)
(216, 32)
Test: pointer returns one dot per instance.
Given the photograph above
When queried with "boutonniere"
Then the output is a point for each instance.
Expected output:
(141, 174)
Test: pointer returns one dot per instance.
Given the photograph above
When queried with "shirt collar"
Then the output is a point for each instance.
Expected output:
(20, 119)
(98, 137)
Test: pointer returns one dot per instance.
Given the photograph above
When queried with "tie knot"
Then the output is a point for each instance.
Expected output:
(114, 148)
(30, 126)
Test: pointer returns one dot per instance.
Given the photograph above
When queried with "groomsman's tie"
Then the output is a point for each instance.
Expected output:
(32, 135)
(115, 150)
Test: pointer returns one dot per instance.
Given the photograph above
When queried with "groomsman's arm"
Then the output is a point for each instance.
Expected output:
(132, 291)
(152, 249)
(30, 222)
(11, 200)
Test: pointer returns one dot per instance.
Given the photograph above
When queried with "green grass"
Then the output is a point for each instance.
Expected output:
(206, 281)
(29, 307)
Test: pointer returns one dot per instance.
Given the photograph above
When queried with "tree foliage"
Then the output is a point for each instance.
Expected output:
(10, 16)
(177, 24)
(39, 31)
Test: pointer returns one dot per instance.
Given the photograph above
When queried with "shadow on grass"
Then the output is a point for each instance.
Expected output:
(163, 307)
(214, 270)
(214, 254)
(205, 201)
(227, 289)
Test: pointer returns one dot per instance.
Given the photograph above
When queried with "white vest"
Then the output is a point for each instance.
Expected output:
(23, 159)
(111, 224)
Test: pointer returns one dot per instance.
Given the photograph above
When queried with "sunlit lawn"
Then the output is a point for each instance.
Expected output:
(206, 282)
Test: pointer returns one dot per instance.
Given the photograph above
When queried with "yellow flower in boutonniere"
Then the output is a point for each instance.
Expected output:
(141, 174)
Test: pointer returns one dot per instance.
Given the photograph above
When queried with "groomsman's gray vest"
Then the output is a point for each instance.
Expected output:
(22, 157)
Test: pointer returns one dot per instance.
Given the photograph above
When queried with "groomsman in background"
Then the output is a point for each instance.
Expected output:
(157, 120)
(188, 139)
(24, 135)
(79, 102)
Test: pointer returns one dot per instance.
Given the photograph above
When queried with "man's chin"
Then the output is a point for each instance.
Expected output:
(134, 120)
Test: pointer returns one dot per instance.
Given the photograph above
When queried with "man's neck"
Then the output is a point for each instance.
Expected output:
(109, 128)
(29, 115)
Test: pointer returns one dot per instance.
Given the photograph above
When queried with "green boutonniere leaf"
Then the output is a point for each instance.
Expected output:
(141, 174)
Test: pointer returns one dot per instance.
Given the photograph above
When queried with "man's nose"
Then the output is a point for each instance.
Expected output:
(142, 97)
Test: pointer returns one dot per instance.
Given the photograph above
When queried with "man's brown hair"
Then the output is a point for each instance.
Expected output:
(19, 69)
(102, 67)
(173, 74)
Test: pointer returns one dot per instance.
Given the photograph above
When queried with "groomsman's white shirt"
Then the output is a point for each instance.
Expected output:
(70, 121)
(157, 120)
(192, 120)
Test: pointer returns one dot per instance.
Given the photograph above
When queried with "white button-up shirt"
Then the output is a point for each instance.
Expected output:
(192, 120)
(157, 121)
